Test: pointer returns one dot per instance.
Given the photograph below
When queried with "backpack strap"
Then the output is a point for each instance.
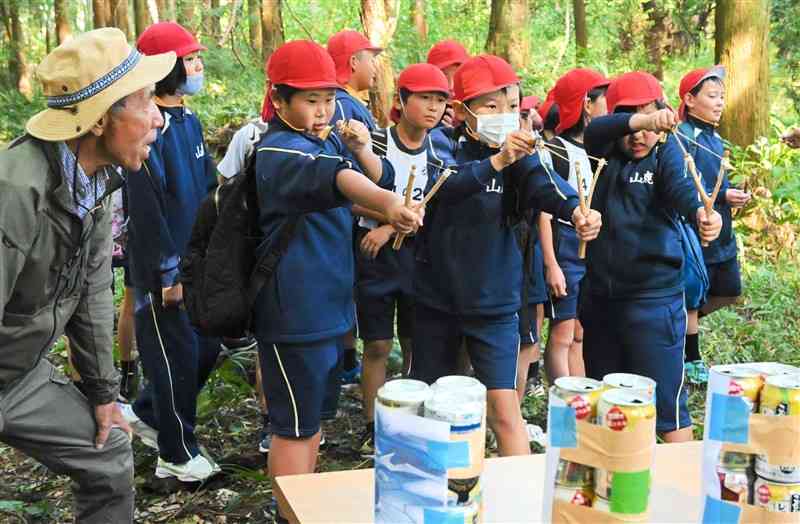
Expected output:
(268, 262)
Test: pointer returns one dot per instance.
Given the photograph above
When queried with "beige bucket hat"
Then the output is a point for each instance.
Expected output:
(85, 76)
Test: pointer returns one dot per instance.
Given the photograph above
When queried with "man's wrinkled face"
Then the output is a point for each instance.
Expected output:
(130, 129)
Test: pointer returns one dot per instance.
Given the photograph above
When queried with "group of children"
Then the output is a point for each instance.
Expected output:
(460, 224)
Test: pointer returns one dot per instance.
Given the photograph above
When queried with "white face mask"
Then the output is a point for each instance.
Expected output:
(493, 129)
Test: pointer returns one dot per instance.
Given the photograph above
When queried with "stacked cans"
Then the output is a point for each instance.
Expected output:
(768, 389)
(620, 402)
(461, 402)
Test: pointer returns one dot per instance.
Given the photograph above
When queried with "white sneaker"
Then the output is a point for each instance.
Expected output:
(147, 434)
(198, 469)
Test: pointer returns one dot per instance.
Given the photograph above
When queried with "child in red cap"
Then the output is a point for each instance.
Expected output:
(385, 276)
(448, 55)
(468, 275)
(632, 298)
(306, 183)
(531, 120)
(702, 94)
(356, 69)
(163, 200)
(580, 95)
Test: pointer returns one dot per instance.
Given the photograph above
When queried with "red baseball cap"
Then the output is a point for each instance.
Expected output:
(529, 102)
(168, 36)
(301, 64)
(693, 78)
(570, 92)
(636, 88)
(342, 46)
(421, 78)
(547, 104)
(446, 53)
(480, 75)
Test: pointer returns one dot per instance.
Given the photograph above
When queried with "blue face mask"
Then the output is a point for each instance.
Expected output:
(192, 85)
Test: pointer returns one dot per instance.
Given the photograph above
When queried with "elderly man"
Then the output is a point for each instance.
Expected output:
(55, 264)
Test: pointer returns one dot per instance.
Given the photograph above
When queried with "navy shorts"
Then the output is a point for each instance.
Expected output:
(695, 276)
(645, 336)
(725, 279)
(376, 316)
(528, 332)
(384, 287)
(566, 308)
(299, 382)
(492, 343)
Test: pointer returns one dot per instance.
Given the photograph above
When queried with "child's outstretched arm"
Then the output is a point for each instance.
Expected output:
(362, 191)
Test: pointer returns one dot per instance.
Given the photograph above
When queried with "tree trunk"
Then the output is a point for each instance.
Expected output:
(254, 24)
(379, 18)
(657, 37)
(418, 19)
(142, 18)
(271, 26)
(101, 13)
(119, 17)
(18, 63)
(63, 31)
(172, 10)
(581, 34)
(186, 15)
(162, 9)
(508, 31)
(214, 19)
(742, 46)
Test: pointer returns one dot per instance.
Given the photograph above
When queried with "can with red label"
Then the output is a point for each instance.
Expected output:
(775, 496)
(604, 505)
(631, 382)
(578, 495)
(743, 381)
(734, 484)
(621, 410)
(580, 393)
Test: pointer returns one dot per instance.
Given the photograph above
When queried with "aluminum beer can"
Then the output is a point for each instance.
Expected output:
(578, 495)
(572, 474)
(629, 381)
(621, 410)
(783, 498)
(780, 395)
(581, 394)
(743, 381)
(735, 484)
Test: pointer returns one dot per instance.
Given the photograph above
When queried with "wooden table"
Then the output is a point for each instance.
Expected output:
(512, 487)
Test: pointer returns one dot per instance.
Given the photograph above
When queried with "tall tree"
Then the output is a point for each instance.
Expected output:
(271, 26)
(18, 63)
(657, 38)
(254, 24)
(418, 19)
(508, 31)
(742, 46)
(119, 17)
(379, 18)
(63, 30)
(581, 34)
(101, 12)
(141, 16)
(186, 14)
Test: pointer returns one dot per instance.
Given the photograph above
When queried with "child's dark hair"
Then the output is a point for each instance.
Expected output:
(285, 92)
(660, 104)
(579, 126)
(696, 89)
(170, 83)
(551, 118)
(405, 94)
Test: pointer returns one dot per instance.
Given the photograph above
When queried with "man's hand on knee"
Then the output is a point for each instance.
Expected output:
(108, 416)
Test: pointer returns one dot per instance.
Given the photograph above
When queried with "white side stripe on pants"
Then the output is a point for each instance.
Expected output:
(169, 375)
(291, 393)
(683, 367)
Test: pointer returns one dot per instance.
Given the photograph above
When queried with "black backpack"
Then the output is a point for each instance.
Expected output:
(220, 272)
